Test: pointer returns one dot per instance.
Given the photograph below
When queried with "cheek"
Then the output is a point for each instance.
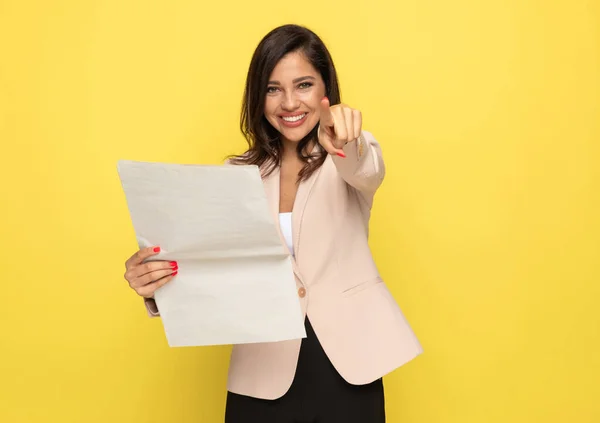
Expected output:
(313, 98)
(271, 111)
(313, 101)
(269, 106)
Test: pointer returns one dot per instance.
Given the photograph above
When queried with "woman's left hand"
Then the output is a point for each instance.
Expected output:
(338, 125)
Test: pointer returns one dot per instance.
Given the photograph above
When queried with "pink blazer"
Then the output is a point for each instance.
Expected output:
(356, 319)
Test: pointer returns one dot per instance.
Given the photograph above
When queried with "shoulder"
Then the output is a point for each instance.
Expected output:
(236, 159)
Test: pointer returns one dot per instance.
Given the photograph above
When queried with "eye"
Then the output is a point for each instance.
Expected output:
(305, 85)
(271, 90)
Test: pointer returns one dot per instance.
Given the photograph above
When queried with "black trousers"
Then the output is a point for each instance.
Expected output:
(318, 395)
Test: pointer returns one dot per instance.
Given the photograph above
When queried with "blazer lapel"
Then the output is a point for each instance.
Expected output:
(272, 186)
(302, 195)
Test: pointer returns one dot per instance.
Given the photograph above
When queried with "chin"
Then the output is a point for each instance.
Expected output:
(294, 136)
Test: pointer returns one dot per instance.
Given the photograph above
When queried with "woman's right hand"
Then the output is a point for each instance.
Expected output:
(146, 278)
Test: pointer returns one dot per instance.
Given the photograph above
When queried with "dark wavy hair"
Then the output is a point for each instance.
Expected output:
(264, 144)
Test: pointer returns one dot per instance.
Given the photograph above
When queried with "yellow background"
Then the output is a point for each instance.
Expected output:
(486, 229)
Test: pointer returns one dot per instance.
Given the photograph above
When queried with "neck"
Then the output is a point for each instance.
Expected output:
(289, 149)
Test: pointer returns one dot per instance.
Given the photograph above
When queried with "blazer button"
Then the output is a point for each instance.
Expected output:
(302, 292)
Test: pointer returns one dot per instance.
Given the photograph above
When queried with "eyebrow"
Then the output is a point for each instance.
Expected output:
(295, 81)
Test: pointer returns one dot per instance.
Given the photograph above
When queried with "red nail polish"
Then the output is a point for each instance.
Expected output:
(341, 155)
(156, 249)
(173, 263)
(174, 273)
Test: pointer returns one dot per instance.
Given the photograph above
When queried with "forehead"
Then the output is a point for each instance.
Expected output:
(293, 65)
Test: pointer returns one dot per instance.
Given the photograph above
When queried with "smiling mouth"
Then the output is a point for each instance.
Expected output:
(293, 119)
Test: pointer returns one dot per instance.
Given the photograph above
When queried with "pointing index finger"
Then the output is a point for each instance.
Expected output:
(326, 117)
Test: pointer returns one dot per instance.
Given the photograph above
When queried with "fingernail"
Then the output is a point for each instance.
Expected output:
(174, 273)
(341, 155)
(173, 263)
(156, 249)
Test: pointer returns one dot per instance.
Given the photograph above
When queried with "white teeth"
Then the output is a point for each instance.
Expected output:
(293, 118)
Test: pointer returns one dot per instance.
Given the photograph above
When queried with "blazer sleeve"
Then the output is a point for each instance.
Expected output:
(363, 166)
(151, 307)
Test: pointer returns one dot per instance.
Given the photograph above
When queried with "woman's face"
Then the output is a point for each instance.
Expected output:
(294, 96)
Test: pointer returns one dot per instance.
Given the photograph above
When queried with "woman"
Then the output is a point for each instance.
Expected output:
(320, 171)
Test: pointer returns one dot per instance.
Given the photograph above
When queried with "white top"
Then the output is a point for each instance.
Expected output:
(285, 223)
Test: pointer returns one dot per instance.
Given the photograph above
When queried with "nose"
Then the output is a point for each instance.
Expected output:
(290, 102)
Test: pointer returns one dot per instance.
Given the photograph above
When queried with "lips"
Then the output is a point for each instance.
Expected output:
(294, 120)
